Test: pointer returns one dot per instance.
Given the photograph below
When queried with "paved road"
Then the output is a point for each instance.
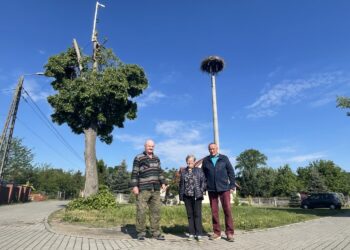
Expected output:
(22, 226)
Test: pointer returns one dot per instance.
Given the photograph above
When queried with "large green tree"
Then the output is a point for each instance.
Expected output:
(248, 163)
(92, 101)
(343, 102)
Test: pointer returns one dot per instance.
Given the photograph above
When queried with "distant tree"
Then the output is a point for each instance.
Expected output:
(172, 180)
(20, 166)
(266, 177)
(93, 101)
(316, 182)
(102, 172)
(118, 179)
(248, 163)
(51, 181)
(333, 176)
(344, 103)
(286, 182)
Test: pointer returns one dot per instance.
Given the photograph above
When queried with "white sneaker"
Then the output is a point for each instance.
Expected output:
(190, 237)
(199, 238)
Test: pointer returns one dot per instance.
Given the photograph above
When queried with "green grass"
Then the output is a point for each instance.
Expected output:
(174, 219)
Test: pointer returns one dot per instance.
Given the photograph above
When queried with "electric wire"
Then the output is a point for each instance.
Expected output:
(42, 116)
(45, 142)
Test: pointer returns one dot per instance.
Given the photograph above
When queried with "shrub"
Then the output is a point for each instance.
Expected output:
(236, 200)
(102, 200)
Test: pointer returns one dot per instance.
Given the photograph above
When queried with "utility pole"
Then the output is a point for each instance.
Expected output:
(94, 38)
(6, 136)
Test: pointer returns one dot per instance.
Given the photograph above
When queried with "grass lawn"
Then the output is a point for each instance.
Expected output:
(174, 218)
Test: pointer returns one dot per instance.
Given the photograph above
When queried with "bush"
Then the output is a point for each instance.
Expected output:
(236, 200)
(102, 200)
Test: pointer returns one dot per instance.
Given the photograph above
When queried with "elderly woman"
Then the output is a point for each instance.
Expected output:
(192, 186)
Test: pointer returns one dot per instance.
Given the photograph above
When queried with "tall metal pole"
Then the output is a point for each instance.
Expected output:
(215, 111)
(94, 37)
(11, 118)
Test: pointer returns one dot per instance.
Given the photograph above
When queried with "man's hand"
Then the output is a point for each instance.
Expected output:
(164, 187)
(135, 190)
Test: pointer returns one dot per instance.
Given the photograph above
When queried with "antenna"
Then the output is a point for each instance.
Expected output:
(94, 37)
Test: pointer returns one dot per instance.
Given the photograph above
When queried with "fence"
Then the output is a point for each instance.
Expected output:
(10, 192)
(254, 201)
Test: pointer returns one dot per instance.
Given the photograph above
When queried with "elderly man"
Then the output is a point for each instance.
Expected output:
(220, 182)
(146, 180)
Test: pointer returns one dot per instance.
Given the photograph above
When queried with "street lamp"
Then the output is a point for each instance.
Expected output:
(213, 65)
(6, 136)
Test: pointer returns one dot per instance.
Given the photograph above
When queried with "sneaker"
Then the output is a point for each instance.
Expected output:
(230, 238)
(141, 236)
(214, 237)
(190, 237)
(159, 237)
(199, 238)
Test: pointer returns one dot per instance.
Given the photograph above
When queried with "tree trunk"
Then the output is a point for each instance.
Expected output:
(91, 178)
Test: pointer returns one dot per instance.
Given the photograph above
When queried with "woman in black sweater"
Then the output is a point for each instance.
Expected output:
(191, 190)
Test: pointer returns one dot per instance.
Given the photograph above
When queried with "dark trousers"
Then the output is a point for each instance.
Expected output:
(225, 198)
(194, 215)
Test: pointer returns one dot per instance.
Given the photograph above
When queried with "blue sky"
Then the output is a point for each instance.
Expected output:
(286, 61)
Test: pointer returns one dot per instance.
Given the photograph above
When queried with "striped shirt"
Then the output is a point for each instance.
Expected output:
(147, 173)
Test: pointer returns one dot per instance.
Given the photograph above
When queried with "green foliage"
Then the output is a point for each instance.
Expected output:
(50, 181)
(173, 181)
(285, 182)
(19, 167)
(99, 99)
(118, 178)
(248, 163)
(324, 175)
(344, 102)
(104, 199)
(102, 172)
(266, 178)
(236, 201)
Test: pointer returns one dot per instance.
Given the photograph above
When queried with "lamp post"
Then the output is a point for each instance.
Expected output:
(6, 136)
(213, 65)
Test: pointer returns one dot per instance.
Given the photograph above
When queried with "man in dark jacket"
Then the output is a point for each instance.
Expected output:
(220, 182)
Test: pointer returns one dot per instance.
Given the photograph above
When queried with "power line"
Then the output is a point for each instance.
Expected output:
(5, 91)
(43, 117)
(45, 142)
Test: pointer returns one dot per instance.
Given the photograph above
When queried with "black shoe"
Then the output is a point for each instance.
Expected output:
(141, 237)
(159, 237)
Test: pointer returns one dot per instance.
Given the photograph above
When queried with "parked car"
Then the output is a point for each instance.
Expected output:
(322, 200)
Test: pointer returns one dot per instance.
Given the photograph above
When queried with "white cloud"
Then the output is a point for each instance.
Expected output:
(286, 149)
(307, 157)
(42, 52)
(274, 72)
(137, 141)
(293, 91)
(174, 140)
(297, 159)
(150, 98)
(169, 77)
(34, 90)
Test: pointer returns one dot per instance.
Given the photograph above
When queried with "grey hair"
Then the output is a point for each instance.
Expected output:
(190, 156)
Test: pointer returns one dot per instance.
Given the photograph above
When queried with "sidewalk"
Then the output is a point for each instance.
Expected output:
(18, 230)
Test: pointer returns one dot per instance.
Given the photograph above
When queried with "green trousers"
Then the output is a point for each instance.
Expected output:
(145, 200)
